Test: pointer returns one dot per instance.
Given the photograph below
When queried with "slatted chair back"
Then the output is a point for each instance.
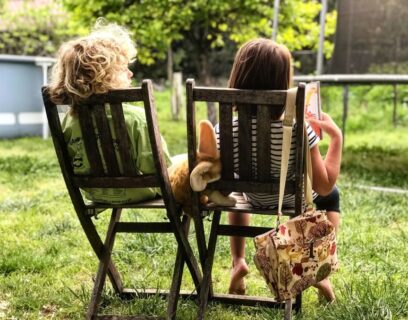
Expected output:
(108, 145)
(247, 149)
(245, 145)
(108, 148)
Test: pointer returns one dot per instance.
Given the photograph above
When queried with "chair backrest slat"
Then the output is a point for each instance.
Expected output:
(255, 112)
(90, 140)
(61, 149)
(156, 145)
(271, 187)
(122, 139)
(143, 181)
(106, 142)
(226, 141)
(227, 95)
(263, 138)
(245, 142)
(301, 144)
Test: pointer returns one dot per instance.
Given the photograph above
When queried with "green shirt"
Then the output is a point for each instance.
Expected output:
(140, 149)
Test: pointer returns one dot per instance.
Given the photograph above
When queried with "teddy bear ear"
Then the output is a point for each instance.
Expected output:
(197, 180)
(208, 141)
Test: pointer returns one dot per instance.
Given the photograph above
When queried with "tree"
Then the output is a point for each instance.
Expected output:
(33, 30)
(216, 21)
(154, 23)
(205, 24)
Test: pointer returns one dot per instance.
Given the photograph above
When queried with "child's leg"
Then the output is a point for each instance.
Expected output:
(331, 204)
(324, 286)
(239, 266)
(334, 218)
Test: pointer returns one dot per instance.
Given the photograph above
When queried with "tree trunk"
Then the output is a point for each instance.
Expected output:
(176, 96)
(205, 78)
(175, 99)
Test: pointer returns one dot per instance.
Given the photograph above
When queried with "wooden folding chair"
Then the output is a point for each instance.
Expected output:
(249, 104)
(105, 173)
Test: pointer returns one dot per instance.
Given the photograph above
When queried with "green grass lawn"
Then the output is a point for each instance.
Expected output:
(47, 265)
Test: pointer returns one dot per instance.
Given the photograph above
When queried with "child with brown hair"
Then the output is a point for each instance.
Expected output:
(96, 64)
(262, 64)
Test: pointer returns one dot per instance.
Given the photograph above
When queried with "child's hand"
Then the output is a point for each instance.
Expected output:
(327, 124)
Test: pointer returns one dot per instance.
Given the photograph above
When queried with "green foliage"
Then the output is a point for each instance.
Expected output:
(370, 107)
(375, 150)
(32, 30)
(205, 25)
(155, 23)
(298, 26)
(174, 132)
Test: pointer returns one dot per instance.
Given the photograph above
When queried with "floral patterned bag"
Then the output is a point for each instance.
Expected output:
(302, 251)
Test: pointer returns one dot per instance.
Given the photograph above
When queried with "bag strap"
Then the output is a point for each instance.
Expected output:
(286, 143)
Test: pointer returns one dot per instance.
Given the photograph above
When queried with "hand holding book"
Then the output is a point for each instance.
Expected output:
(313, 106)
(326, 124)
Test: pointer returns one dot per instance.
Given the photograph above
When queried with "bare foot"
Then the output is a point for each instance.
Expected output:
(326, 290)
(239, 271)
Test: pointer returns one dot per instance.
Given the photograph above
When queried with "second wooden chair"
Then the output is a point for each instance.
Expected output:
(245, 150)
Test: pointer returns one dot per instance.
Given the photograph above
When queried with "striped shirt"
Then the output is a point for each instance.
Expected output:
(265, 200)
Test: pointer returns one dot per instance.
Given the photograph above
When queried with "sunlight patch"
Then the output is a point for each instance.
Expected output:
(4, 306)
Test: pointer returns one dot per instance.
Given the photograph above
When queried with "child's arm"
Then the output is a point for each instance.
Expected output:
(325, 172)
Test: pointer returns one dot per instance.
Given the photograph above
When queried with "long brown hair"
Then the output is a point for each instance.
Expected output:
(261, 64)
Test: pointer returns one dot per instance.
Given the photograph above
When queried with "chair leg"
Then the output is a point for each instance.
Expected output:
(103, 265)
(97, 245)
(288, 309)
(200, 235)
(201, 243)
(206, 282)
(184, 245)
(298, 303)
(177, 276)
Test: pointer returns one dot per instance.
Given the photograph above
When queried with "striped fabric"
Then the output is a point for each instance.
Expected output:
(265, 200)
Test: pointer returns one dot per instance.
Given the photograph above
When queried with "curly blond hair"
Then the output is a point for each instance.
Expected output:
(92, 64)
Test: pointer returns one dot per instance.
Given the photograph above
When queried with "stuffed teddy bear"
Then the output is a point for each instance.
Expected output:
(207, 169)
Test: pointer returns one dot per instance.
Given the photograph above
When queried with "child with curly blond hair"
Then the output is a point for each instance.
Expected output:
(94, 64)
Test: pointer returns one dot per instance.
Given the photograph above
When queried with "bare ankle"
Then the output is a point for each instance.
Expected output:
(239, 271)
(326, 290)
(238, 261)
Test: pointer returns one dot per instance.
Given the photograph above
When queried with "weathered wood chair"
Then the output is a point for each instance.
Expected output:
(249, 104)
(93, 118)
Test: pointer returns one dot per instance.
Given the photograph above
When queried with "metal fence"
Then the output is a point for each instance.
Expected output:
(345, 80)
